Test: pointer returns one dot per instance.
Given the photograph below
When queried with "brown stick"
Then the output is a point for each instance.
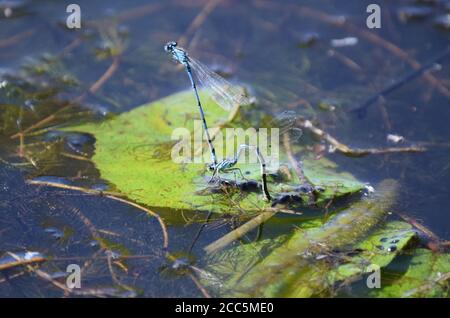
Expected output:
(239, 232)
(16, 38)
(21, 261)
(198, 21)
(71, 46)
(352, 65)
(199, 286)
(355, 152)
(435, 243)
(423, 229)
(106, 76)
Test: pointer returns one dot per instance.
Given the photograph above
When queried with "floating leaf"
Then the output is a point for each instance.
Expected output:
(133, 152)
(300, 266)
(379, 249)
(428, 275)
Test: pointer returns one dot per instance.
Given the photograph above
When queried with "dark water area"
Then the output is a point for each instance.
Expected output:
(283, 54)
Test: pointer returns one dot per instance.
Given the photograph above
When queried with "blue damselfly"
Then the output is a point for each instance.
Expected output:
(227, 96)
(224, 93)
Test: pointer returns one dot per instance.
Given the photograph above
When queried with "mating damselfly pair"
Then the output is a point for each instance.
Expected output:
(227, 96)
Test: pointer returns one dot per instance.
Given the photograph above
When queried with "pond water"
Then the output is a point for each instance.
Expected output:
(283, 53)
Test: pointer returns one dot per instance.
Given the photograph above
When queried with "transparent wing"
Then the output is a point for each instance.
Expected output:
(285, 121)
(223, 92)
(295, 134)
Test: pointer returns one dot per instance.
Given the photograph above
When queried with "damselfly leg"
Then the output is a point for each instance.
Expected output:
(228, 165)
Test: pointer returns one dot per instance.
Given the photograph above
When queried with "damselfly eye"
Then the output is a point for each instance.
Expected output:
(170, 46)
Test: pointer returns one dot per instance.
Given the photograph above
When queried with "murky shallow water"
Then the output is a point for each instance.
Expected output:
(282, 53)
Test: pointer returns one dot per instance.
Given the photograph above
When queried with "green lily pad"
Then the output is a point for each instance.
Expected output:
(133, 152)
(326, 174)
(379, 249)
(427, 275)
(313, 259)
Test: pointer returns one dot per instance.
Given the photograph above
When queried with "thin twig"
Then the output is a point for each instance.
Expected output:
(106, 76)
(402, 81)
(112, 196)
(437, 242)
(19, 261)
(199, 285)
(9, 277)
(113, 274)
(355, 152)
(76, 157)
(198, 21)
(71, 46)
(352, 65)
(16, 38)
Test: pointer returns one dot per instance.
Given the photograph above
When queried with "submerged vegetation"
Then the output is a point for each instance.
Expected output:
(87, 174)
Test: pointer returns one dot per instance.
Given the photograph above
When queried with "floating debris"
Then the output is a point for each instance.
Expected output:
(93, 244)
(348, 41)
(327, 105)
(395, 138)
(10, 9)
(55, 233)
(406, 14)
(442, 21)
(308, 39)
(180, 263)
